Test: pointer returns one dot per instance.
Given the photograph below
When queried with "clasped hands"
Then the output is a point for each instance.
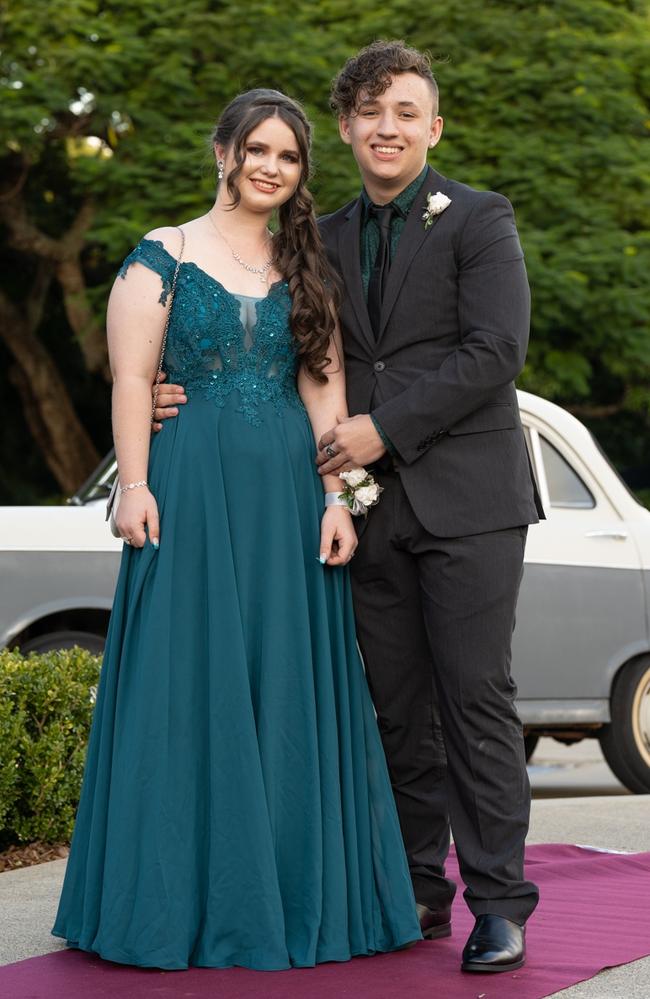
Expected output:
(352, 443)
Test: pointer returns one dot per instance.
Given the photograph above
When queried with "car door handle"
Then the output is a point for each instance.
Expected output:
(615, 534)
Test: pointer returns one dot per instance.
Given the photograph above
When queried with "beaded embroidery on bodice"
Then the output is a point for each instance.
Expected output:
(219, 342)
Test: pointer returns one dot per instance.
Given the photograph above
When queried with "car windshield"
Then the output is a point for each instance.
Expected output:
(98, 486)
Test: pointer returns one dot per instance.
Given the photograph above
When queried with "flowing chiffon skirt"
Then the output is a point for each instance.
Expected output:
(236, 807)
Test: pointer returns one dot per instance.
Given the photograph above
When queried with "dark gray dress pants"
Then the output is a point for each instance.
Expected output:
(434, 620)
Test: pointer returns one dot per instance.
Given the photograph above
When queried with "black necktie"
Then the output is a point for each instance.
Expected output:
(383, 215)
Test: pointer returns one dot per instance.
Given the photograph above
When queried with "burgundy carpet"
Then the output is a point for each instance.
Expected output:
(593, 914)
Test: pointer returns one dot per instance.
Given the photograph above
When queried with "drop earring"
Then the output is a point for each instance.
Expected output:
(220, 169)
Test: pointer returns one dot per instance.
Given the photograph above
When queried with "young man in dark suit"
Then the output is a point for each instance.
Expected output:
(435, 318)
(435, 321)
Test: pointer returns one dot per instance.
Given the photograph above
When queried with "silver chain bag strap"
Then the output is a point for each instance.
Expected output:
(113, 500)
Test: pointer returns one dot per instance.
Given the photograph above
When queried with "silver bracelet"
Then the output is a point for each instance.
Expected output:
(335, 499)
(133, 485)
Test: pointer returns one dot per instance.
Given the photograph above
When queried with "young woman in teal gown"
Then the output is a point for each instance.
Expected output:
(236, 807)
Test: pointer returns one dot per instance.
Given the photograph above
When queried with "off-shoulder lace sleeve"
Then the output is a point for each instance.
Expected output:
(153, 255)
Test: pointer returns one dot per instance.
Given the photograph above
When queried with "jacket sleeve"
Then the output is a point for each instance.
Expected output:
(494, 320)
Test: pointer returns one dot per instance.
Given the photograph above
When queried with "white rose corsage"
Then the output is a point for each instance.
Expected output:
(436, 204)
(361, 491)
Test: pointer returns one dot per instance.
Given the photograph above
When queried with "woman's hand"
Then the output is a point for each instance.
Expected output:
(338, 538)
(138, 508)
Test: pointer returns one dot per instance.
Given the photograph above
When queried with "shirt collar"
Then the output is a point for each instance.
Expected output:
(404, 200)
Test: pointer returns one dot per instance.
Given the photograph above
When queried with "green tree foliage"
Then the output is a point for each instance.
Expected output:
(106, 108)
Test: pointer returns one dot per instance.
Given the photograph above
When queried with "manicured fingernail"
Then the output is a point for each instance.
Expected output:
(156, 543)
(323, 558)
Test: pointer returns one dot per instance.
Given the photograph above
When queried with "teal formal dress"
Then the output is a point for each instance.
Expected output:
(236, 807)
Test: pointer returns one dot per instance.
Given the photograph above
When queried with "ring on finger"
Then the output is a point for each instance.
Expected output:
(330, 452)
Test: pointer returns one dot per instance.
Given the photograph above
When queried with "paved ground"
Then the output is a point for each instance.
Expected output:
(579, 770)
(577, 800)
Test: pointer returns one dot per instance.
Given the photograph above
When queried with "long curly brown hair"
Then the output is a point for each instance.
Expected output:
(298, 252)
(369, 73)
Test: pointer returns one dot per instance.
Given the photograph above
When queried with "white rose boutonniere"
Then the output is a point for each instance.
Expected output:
(361, 491)
(436, 204)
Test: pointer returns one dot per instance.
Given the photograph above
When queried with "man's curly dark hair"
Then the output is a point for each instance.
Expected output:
(368, 74)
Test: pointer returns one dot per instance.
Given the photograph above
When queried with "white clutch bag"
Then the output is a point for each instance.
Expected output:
(112, 503)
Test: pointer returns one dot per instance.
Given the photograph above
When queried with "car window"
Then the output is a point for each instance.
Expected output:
(565, 487)
(98, 486)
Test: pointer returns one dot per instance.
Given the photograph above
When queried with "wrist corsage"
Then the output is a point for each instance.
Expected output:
(360, 491)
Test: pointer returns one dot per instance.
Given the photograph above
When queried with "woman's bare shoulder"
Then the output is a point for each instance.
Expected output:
(169, 235)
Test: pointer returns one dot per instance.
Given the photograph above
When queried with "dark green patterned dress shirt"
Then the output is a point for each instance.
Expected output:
(370, 244)
(370, 230)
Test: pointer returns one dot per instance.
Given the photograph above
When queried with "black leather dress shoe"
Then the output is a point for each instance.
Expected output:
(434, 923)
(495, 944)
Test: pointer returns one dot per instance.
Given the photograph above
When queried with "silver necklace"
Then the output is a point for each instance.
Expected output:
(261, 271)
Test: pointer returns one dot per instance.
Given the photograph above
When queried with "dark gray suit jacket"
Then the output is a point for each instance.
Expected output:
(440, 377)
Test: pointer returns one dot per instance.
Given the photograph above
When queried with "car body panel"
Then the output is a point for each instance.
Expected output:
(580, 658)
(54, 560)
(56, 529)
(36, 585)
(583, 608)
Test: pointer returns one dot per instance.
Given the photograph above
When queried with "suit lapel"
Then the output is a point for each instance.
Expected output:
(350, 262)
(413, 236)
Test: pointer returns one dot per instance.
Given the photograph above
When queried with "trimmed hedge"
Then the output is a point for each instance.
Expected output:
(46, 707)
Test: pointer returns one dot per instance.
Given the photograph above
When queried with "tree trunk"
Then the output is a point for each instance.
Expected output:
(87, 330)
(64, 255)
(67, 449)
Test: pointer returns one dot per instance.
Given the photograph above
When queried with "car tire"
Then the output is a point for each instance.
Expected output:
(56, 640)
(626, 740)
(530, 744)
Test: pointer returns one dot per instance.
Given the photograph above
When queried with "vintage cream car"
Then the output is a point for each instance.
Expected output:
(581, 652)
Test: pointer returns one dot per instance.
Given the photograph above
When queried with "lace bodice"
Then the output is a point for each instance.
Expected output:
(219, 342)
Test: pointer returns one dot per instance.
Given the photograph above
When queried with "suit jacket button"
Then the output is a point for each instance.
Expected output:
(379, 365)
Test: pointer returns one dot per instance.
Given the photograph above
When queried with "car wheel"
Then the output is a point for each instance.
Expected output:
(56, 640)
(530, 743)
(626, 740)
